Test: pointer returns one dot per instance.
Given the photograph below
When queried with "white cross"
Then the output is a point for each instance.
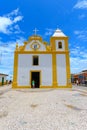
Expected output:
(35, 30)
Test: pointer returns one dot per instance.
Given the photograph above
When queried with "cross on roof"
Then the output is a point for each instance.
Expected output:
(35, 30)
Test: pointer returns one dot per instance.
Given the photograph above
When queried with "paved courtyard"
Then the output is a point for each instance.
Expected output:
(43, 109)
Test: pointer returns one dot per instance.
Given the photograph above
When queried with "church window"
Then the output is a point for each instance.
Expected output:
(60, 45)
(35, 60)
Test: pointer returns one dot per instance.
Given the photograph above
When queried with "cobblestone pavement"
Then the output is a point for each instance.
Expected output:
(43, 109)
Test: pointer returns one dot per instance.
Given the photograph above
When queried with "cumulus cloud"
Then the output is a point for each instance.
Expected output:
(81, 4)
(9, 21)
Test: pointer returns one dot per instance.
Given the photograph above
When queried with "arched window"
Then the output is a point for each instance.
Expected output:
(59, 45)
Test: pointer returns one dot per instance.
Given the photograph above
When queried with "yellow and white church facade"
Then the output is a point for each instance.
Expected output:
(47, 64)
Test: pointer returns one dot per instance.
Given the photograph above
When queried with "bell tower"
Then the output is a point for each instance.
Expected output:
(61, 63)
(59, 41)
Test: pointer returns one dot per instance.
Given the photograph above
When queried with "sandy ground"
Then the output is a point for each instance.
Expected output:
(43, 109)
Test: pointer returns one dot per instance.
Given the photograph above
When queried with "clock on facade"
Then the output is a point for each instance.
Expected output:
(35, 45)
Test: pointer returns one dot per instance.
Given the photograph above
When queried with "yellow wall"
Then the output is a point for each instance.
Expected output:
(15, 70)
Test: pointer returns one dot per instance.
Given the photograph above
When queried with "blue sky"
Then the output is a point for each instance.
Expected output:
(19, 18)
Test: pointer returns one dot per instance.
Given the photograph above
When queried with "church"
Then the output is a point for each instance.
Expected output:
(48, 65)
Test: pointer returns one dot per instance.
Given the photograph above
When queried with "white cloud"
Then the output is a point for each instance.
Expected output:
(81, 4)
(9, 21)
(14, 12)
(82, 35)
(7, 54)
(18, 18)
(17, 29)
(78, 59)
(49, 31)
(4, 24)
(78, 64)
